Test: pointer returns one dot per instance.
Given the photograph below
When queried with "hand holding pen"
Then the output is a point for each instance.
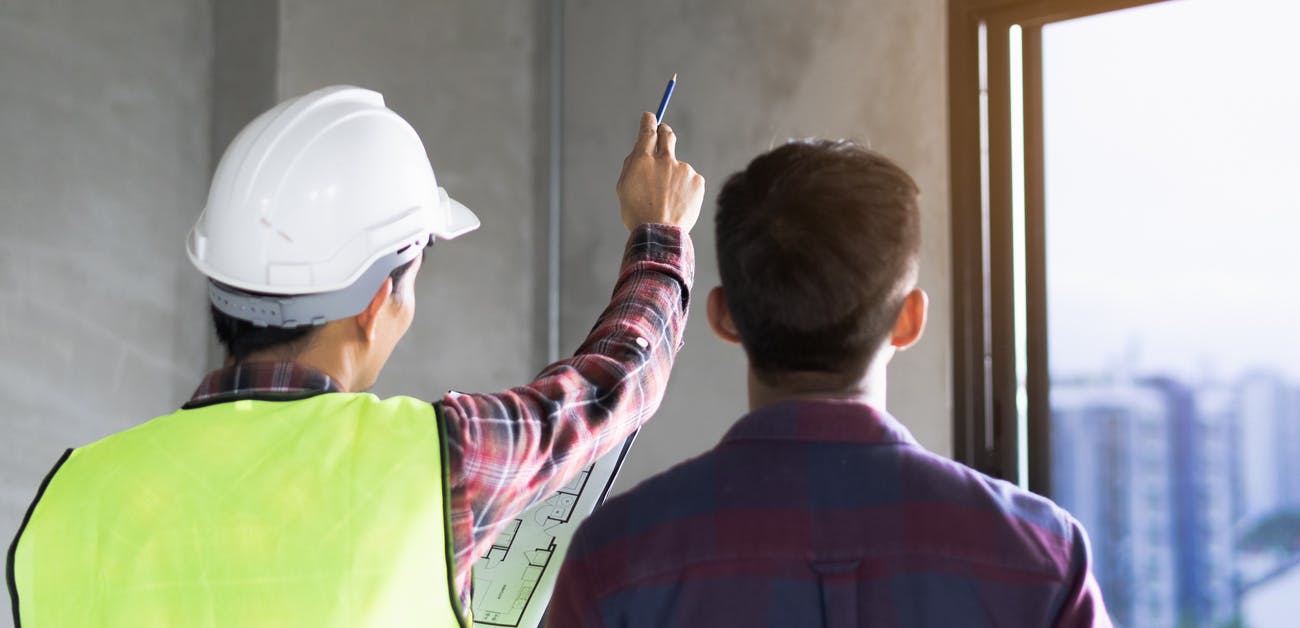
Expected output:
(654, 186)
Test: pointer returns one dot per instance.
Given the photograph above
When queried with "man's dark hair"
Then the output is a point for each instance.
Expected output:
(242, 338)
(817, 241)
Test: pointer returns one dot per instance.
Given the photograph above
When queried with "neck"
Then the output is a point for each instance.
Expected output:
(324, 352)
(339, 364)
(868, 389)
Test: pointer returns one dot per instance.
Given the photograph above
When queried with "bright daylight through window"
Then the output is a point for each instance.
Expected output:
(1172, 153)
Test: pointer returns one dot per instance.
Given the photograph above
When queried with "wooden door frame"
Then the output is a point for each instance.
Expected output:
(985, 429)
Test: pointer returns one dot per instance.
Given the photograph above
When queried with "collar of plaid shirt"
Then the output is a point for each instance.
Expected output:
(832, 508)
(259, 378)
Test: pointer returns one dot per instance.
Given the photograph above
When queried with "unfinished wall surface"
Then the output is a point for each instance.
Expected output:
(752, 74)
(103, 169)
(472, 79)
(463, 74)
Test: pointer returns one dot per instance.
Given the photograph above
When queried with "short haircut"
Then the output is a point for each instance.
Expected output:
(242, 338)
(818, 242)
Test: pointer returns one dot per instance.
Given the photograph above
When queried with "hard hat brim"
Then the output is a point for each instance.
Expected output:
(460, 220)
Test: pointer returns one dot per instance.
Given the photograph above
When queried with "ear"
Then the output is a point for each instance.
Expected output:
(719, 316)
(368, 319)
(911, 320)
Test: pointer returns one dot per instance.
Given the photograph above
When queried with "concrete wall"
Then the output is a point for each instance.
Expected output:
(464, 75)
(472, 79)
(752, 73)
(103, 168)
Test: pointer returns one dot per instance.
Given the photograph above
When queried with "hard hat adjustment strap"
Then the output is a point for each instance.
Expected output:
(289, 311)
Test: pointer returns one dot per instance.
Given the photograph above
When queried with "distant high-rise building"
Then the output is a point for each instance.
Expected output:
(1288, 442)
(1268, 435)
(1268, 467)
(1200, 478)
(1112, 460)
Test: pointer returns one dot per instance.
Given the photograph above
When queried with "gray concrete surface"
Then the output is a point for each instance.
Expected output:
(462, 74)
(245, 64)
(752, 73)
(103, 168)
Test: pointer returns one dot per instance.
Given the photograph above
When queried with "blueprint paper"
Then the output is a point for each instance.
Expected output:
(514, 579)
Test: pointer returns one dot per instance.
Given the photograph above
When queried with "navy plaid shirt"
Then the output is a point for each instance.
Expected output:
(826, 513)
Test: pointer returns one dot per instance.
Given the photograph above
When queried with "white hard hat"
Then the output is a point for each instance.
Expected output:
(313, 204)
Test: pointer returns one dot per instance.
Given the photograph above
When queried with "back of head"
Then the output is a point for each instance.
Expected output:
(818, 243)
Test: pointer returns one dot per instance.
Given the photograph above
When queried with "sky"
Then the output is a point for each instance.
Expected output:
(1172, 139)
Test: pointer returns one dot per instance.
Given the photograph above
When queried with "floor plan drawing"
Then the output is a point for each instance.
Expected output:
(514, 578)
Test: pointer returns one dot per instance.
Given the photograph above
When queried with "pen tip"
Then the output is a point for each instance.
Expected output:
(674, 77)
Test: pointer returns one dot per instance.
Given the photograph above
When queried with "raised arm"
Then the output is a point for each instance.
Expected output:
(506, 450)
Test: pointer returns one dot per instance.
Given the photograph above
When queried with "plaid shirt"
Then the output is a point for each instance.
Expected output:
(507, 450)
(826, 513)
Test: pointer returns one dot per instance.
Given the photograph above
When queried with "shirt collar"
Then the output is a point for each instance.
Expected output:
(821, 420)
(242, 381)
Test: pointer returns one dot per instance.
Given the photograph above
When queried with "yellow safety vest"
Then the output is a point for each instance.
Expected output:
(329, 510)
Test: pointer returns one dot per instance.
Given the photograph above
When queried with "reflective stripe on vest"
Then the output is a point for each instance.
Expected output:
(324, 511)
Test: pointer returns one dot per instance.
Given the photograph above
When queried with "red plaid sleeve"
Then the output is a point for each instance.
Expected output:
(508, 450)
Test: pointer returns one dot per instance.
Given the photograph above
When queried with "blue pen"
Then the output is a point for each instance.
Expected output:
(668, 95)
